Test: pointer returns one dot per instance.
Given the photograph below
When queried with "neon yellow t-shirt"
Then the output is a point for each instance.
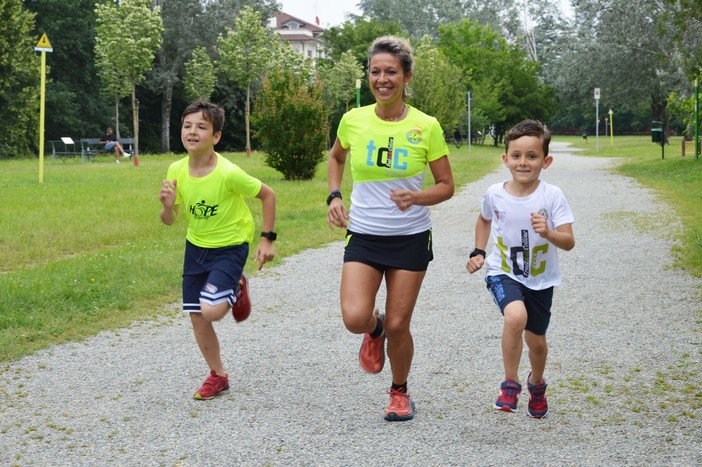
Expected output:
(214, 204)
(386, 156)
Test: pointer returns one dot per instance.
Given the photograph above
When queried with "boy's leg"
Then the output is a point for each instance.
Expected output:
(214, 312)
(207, 341)
(536, 385)
(225, 270)
(538, 352)
(515, 319)
(217, 383)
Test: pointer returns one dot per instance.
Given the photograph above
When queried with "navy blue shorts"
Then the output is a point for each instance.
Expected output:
(211, 275)
(408, 252)
(506, 290)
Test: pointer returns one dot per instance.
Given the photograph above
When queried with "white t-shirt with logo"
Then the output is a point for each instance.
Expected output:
(518, 251)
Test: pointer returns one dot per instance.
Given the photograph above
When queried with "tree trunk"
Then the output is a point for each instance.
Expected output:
(166, 107)
(117, 117)
(135, 122)
(246, 120)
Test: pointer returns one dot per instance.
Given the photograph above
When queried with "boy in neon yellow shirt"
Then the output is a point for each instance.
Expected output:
(211, 189)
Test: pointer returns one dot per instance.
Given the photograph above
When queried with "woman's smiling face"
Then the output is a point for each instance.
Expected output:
(387, 78)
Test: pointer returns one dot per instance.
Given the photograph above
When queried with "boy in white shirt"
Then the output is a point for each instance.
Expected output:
(528, 220)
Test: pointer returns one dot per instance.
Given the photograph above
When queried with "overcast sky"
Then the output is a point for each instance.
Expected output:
(331, 12)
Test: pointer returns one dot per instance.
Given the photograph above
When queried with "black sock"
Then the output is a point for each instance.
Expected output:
(378, 329)
(399, 387)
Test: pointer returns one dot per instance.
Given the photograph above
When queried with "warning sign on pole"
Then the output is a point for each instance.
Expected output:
(43, 45)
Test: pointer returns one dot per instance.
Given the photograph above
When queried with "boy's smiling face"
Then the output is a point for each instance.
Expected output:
(197, 134)
(525, 159)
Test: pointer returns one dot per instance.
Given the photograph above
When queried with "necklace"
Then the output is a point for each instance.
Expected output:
(395, 118)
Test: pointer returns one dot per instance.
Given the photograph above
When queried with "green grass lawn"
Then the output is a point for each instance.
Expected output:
(85, 251)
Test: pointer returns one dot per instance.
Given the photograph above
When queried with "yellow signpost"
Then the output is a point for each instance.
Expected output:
(43, 46)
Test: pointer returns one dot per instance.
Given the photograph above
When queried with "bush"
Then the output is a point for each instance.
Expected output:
(289, 124)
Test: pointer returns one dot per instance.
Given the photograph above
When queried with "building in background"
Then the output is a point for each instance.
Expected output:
(302, 36)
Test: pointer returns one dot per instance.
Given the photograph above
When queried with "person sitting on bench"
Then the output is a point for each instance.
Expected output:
(110, 142)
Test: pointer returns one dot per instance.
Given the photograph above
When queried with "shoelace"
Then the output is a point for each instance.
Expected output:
(396, 397)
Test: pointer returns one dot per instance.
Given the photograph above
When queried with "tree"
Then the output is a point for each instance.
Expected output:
(626, 48)
(338, 86)
(418, 18)
(188, 24)
(128, 37)
(686, 18)
(437, 87)
(74, 104)
(245, 54)
(183, 27)
(289, 119)
(200, 77)
(355, 38)
(19, 81)
(504, 83)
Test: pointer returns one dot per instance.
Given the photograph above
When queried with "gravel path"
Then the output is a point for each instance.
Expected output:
(624, 368)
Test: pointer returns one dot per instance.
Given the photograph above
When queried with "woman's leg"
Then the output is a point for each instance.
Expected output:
(359, 287)
(403, 289)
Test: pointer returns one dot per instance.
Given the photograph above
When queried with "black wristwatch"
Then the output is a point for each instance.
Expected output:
(332, 195)
(272, 236)
(476, 252)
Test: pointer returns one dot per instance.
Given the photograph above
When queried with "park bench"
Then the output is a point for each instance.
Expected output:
(86, 148)
(90, 147)
(64, 147)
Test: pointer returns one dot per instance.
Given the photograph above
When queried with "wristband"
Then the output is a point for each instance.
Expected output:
(272, 236)
(476, 252)
(332, 195)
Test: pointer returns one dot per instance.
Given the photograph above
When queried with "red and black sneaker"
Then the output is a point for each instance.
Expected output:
(242, 308)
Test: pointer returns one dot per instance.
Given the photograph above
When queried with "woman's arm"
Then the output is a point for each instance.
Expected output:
(336, 215)
(441, 191)
(265, 251)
